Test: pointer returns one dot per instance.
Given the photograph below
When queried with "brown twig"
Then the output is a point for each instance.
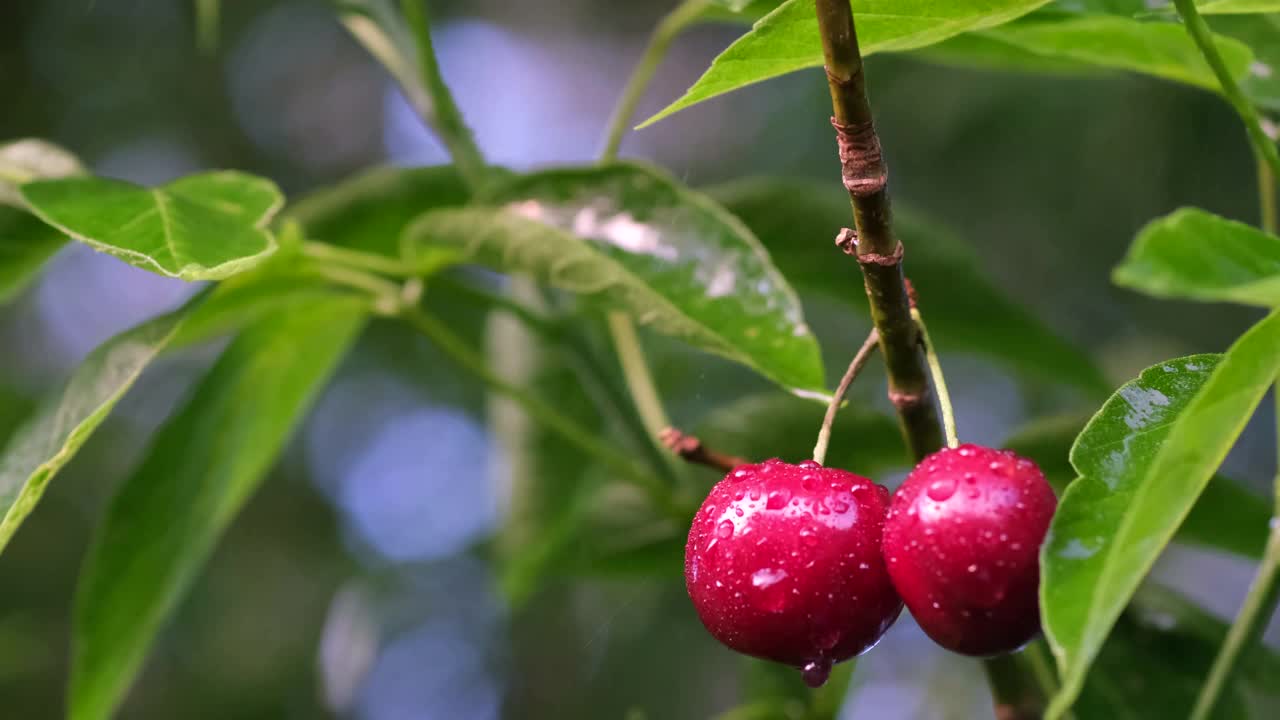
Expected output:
(691, 449)
(877, 249)
(866, 178)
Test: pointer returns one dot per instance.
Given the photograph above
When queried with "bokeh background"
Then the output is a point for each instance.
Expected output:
(351, 586)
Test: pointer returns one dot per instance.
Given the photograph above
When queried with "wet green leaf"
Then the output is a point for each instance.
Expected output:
(797, 220)
(630, 238)
(66, 418)
(787, 39)
(202, 466)
(201, 227)
(1143, 460)
(1193, 254)
(1227, 516)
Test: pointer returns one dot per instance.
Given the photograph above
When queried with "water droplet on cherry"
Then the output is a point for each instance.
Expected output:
(816, 672)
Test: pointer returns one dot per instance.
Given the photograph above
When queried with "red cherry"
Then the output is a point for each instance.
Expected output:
(784, 563)
(963, 541)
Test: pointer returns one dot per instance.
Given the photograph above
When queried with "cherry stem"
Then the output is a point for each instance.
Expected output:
(939, 381)
(855, 366)
(690, 449)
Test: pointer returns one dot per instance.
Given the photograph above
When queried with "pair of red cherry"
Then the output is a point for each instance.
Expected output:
(808, 565)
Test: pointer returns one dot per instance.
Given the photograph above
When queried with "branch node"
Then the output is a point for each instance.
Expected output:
(847, 241)
(690, 449)
(861, 162)
(871, 258)
(912, 301)
(685, 446)
(842, 81)
(905, 400)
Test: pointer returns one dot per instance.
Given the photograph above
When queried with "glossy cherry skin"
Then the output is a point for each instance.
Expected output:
(962, 542)
(784, 563)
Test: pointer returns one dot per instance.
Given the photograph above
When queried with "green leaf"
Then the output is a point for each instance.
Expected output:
(14, 410)
(775, 425)
(643, 244)
(201, 227)
(67, 417)
(1078, 44)
(25, 245)
(1238, 7)
(1113, 7)
(787, 39)
(25, 242)
(30, 159)
(243, 300)
(1228, 516)
(1260, 32)
(1157, 657)
(1197, 255)
(370, 211)
(1143, 461)
(796, 221)
(989, 51)
(1159, 49)
(202, 466)
(652, 551)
